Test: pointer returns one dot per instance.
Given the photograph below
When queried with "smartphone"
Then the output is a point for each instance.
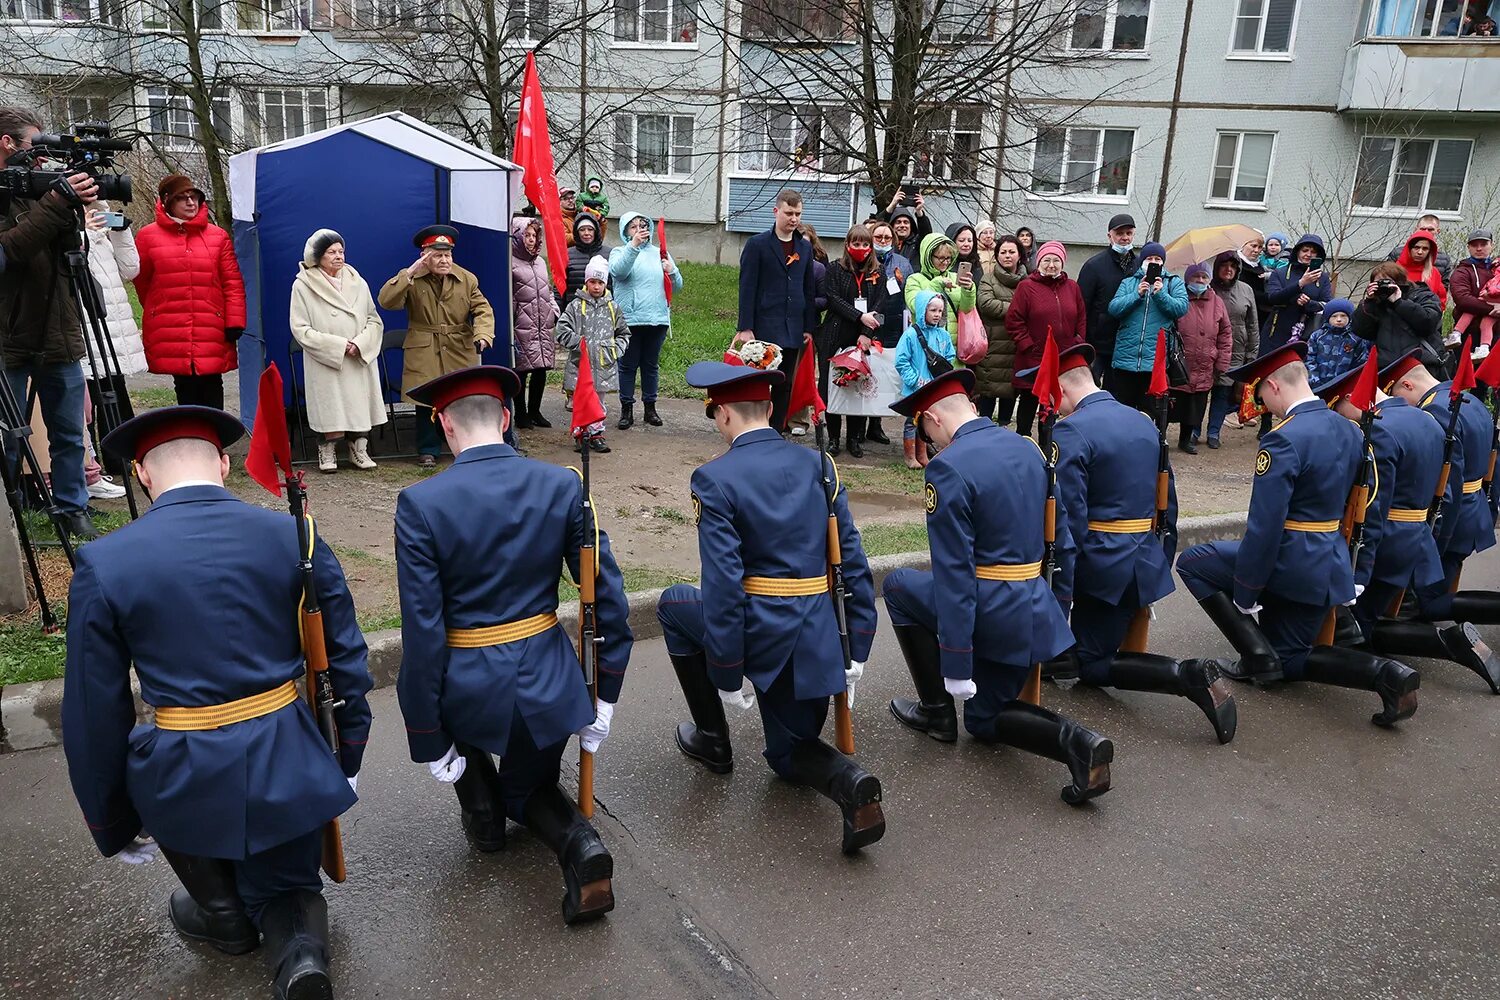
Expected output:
(965, 268)
(911, 189)
(1316, 265)
(115, 220)
(1153, 271)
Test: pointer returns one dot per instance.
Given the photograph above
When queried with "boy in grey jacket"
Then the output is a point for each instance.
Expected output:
(593, 320)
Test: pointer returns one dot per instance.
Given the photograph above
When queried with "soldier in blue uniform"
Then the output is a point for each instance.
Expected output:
(1107, 458)
(232, 779)
(1292, 566)
(485, 668)
(764, 612)
(1468, 521)
(973, 627)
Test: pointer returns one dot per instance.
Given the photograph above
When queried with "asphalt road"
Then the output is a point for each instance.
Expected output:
(1315, 856)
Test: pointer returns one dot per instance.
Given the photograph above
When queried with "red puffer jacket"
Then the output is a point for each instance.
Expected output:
(191, 292)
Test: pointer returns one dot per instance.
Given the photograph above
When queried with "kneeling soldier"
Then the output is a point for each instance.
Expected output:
(485, 668)
(975, 626)
(232, 779)
(765, 612)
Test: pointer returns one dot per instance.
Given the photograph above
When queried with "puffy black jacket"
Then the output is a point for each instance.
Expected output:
(1397, 327)
(1099, 279)
(579, 255)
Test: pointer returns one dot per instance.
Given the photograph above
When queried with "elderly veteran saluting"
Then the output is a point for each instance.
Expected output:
(449, 321)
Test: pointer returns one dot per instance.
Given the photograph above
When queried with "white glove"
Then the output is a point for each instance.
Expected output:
(738, 699)
(592, 735)
(354, 783)
(960, 690)
(854, 673)
(1253, 611)
(448, 768)
(1359, 589)
(138, 851)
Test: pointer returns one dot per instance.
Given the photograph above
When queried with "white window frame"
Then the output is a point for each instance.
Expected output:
(1111, 14)
(110, 12)
(634, 174)
(763, 141)
(400, 16)
(176, 100)
(1447, 214)
(950, 127)
(257, 130)
(64, 115)
(1416, 14)
(166, 27)
(302, 9)
(1234, 175)
(954, 38)
(1092, 197)
(526, 39)
(639, 42)
(1258, 54)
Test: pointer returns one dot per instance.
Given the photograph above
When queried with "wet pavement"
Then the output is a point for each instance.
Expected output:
(1314, 856)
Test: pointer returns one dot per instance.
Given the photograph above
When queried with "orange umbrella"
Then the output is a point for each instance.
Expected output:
(1204, 244)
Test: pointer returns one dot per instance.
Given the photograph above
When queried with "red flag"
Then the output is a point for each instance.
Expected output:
(587, 408)
(1158, 386)
(805, 383)
(1363, 393)
(1045, 387)
(661, 242)
(270, 445)
(532, 151)
(1489, 369)
(1463, 381)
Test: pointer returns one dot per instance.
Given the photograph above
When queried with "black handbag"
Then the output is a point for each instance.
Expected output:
(1177, 367)
(936, 363)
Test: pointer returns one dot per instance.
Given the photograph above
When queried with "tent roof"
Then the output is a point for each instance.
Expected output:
(395, 129)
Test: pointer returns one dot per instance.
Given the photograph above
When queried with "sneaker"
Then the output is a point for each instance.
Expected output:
(799, 431)
(106, 489)
(1452, 340)
(1480, 353)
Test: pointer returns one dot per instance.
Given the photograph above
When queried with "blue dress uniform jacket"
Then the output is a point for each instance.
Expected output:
(1469, 523)
(984, 492)
(1408, 460)
(483, 544)
(762, 511)
(201, 594)
(1106, 471)
(1303, 473)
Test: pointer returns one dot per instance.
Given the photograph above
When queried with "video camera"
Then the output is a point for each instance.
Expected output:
(86, 149)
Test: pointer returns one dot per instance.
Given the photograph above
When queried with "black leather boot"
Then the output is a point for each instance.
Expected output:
(1043, 732)
(1478, 606)
(1395, 682)
(1258, 662)
(649, 414)
(706, 738)
(296, 926)
(208, 906)
(853, 789)
(1062, 667)
(1346, 630)
(874, 433)
(588, 868)
(853, 445)
(1198, 681)
(627, 417)
(933, 712)
(1460, 643)
(478, 791)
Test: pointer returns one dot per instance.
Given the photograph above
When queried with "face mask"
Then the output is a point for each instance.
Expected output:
(1119, 249)
(1196, 288)
(882, 250)
(859, 254)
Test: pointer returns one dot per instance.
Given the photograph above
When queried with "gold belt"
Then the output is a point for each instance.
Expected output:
(1132, 526)
(185, 720)
(773, 586)
(1406, 514)
(1473, 486)
(499, 635)
(1312, 526)
(1009, 571)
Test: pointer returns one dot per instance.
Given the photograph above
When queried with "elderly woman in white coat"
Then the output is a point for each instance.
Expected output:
(335, 322)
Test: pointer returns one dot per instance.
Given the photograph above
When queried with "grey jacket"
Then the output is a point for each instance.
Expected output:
(601, 324)
(1239, 300)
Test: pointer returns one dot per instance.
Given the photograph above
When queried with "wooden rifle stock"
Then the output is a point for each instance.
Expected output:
(588, 570)
(315, 648)
(843, 717)
(1138, 636)
(1032, 691)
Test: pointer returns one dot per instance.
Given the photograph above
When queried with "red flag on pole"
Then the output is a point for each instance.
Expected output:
(1463, 381)
(1045, 388)
(532, 151)
(587, 407)
(1158, 386)
(1489, 370)
(270, 445)
(1363, 393)
(661, 242)
(805, 383)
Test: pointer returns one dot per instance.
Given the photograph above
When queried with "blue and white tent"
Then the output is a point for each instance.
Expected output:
(376, 182)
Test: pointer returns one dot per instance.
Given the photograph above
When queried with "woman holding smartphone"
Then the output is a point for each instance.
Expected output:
(1149, 300)
(1296, 295)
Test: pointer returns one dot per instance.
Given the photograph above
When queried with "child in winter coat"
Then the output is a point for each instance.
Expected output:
(593, 319)
(1333, 348)
(593, 197)
(928, 333)
(1489, 295)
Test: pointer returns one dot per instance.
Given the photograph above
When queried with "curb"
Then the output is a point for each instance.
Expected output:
(31, 714)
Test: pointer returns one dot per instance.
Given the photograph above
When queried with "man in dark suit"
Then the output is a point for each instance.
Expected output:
(778, 294)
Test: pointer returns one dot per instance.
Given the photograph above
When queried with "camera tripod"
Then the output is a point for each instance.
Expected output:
(15, 434)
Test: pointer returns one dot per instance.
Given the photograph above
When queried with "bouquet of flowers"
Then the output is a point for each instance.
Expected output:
(754, 354)
(849, 370)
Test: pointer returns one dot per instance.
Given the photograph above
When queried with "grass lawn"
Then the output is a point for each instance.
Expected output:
(704, 314)
(28, 655)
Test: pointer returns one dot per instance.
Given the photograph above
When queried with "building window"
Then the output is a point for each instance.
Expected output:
(961, 22)
(653, 145)
(798, 20)
(947, 144)
(173, 123)
(175, 15)
(365, 15)
(1423, 174)
(1083, 161)
(66, 11)
(1427, 19)
(656, 21)
(274, 15)
(1264, 26)
(75, 109)
(776, 139)
(278, 115)
(526, 20)
(1111, 25)
(1242, 167)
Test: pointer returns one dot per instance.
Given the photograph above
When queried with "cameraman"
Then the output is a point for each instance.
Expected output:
(41, 336)
(1398, 315)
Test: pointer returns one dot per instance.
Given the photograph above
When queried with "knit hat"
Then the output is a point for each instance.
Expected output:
(1338, 306)
(1052, 246)
(318, 244)
(597, 267)
(1281, 238)
(983, 225)
(1195, 271)
(1153, 250)
(173, 185)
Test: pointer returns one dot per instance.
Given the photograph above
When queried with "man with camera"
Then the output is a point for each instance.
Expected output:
(1398, 315)
(41, 333)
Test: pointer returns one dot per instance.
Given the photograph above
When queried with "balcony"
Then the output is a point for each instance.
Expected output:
(1413, 75)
